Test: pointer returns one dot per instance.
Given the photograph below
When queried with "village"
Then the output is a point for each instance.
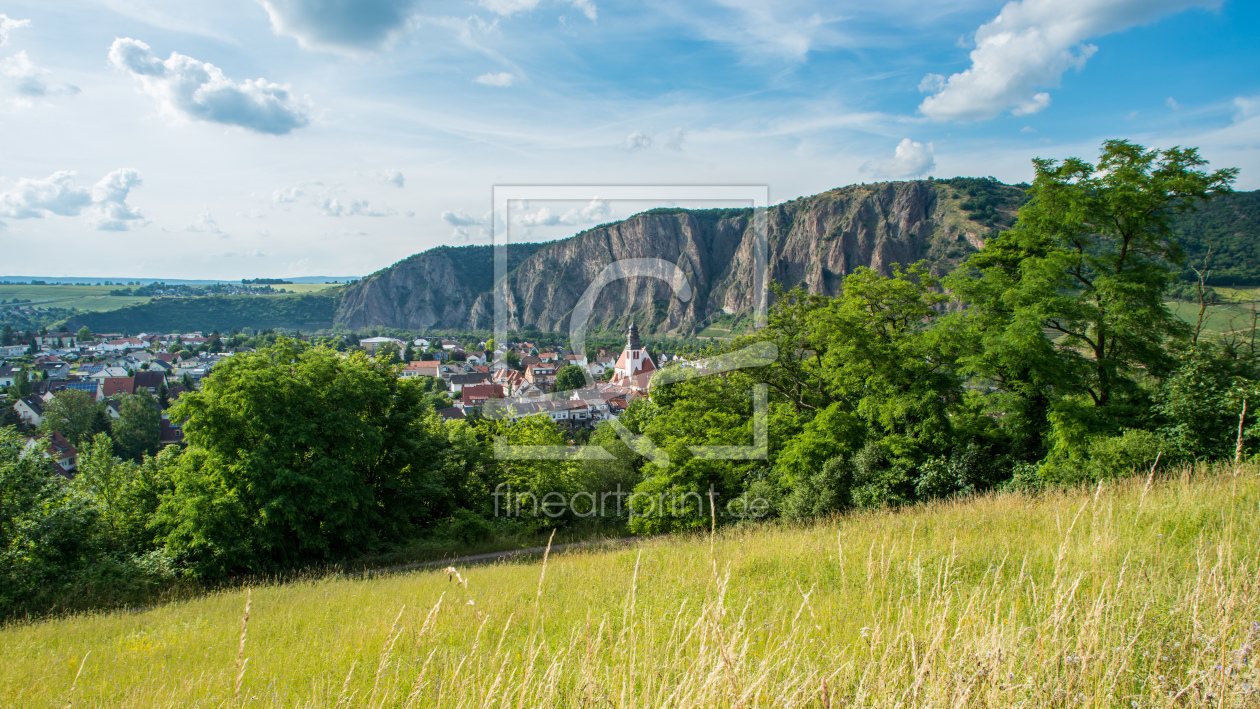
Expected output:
(482, 378)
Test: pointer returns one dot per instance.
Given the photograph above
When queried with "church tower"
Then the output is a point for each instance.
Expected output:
(634, 367)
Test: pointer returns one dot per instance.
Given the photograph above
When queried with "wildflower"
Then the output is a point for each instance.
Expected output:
(866, 632)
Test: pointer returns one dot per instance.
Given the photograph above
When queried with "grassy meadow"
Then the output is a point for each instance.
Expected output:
(1136, 594)
(90, 298)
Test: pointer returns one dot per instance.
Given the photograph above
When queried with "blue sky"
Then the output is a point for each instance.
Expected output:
(244, 138)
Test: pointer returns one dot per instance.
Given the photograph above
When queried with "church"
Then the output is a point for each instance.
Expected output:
(634, 368)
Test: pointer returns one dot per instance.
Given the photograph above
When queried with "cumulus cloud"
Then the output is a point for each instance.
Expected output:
(110, 211)
(58, 195)
(205, 223)
(597, 210)
(190, 89)
(1028, 47)
(511, 7)
(287, 195)
(394, 178)
(502, 78)
(461, 219)
(352, 26)
(243, 254)
(29, 79)
(910, 159)
(637, 140)
(355, 208)
(8, 24)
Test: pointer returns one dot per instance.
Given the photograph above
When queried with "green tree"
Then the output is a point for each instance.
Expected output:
(513, 360)
(73, 413)
(136, 433)
(22, 382)
(389, 353)
(1087, 262)
(297, 455)
(47, 530)
(570, 377)
(85, 334)
(6, 336)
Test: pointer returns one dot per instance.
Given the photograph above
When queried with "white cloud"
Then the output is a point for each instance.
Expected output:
(502, 78)
(287, 195)
(205, 223)
(675, 140)
(910, 159)
(28, 79)
(38, 198)
(1172, 103)
(511, 7)
(58, 195)
(395, 178)
(356, 208)
(243, 254)
(110, 211)
(352, 26)
(637, 140)
(1247, 106)
(459, 219)
(597, 210)
(786, 29)
(1028, 47)
(7, 24)
(187, 88)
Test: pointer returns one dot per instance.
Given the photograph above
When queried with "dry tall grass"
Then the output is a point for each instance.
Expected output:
(1140, 593)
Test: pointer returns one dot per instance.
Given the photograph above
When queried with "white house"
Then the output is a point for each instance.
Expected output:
(30, 409)
(371, 344)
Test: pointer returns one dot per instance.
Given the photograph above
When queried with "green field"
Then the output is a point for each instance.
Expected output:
(97, 298)
(1129, 595)
(88, 298)
(1235, 318)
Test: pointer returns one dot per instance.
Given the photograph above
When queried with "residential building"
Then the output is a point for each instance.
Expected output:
(372, 344)
(541, 375)
(54, 447)
(30, 409)
(55, 339)
(477, 396)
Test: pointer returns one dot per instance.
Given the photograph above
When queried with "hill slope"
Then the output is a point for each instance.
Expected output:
(1124, 596)
(309, 311)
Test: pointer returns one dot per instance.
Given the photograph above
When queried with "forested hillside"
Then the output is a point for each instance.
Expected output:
(308, 311)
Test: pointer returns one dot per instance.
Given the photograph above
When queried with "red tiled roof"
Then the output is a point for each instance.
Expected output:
(117, 385)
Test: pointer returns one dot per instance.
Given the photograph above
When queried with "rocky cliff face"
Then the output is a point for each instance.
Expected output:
(813, 242)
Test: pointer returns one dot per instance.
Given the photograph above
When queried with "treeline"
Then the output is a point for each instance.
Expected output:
(1057, 365)
(309, 311)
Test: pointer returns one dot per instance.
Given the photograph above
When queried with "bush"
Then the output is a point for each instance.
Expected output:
(821, 493)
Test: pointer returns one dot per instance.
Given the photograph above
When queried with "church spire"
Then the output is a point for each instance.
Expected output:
(632, 337)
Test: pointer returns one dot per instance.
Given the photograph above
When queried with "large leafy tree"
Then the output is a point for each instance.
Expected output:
(570, 377)
(298, 455)
(1069, 301)
(74, 414)
(136, 433)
